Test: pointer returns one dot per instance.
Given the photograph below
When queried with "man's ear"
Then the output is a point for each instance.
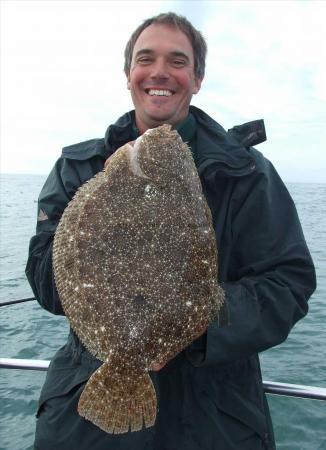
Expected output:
(197, 85)
(128, 79)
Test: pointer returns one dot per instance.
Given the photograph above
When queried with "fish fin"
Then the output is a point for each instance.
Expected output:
(117, 403)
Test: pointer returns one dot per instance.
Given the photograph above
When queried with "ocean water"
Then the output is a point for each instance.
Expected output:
(27, 331)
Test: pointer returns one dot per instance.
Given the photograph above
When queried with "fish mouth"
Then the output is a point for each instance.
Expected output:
(159, 92)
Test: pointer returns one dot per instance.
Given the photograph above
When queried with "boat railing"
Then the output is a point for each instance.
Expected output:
(270, 387)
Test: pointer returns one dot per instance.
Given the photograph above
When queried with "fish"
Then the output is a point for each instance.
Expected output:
(136, 268)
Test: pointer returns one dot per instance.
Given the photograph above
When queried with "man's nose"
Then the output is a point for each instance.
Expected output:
(160, 70)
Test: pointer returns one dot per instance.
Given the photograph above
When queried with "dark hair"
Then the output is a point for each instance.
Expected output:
(196, 39)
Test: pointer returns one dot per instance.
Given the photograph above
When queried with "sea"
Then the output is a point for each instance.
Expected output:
(28, 331)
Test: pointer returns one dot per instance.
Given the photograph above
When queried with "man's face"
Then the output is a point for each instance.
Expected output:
(161, 78)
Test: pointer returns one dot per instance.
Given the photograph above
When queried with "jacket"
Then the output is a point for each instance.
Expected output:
(210, 396)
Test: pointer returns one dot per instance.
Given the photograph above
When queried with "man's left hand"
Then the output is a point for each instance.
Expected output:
(158, 366)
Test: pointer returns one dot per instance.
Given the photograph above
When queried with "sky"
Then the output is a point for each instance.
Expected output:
(62, 79)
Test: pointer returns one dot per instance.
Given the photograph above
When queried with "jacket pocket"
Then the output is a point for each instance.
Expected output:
(57, 421)
(60, 427)
(64, 374)
(46, 401)
(240, 411)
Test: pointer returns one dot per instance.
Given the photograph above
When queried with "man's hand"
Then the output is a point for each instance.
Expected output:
(158, 366)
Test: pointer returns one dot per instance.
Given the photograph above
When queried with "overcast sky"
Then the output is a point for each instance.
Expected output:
(62, 77)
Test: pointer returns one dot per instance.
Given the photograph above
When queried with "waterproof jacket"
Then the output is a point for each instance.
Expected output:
(210, 396)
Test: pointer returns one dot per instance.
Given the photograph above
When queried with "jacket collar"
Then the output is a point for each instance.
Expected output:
(121, 132)
(124, 130)
(221, 153)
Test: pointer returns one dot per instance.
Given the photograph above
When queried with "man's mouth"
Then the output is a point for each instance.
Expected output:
(159, 92)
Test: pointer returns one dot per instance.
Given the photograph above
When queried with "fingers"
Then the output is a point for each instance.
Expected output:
(156, 367)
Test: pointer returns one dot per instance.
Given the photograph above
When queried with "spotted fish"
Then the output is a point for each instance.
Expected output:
(135, 265)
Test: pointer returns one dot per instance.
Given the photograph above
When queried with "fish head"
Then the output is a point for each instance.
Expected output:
(158, 154)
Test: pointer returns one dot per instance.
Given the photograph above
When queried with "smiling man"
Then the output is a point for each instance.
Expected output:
(210, 396)
(161, 76)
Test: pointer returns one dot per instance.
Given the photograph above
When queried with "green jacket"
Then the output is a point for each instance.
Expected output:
(210, 396)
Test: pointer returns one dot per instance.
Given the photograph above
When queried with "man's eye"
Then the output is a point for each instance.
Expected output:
(178, 62)
(144, 60)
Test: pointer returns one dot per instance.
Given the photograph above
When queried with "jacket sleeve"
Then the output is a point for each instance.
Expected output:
(57, 191)
(271, 274)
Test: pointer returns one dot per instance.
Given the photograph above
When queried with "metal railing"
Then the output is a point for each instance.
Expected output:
(294, 390)
(270, 387)
(26, 364)
(14, 302)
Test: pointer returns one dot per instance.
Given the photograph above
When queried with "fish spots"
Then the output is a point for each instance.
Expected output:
(135, 264)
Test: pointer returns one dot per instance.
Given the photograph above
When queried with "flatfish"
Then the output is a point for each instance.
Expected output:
(135, 265)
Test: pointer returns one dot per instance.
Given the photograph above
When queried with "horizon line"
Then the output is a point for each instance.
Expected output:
(45, 175)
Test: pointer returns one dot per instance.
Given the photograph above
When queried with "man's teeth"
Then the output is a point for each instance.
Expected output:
(159, 92)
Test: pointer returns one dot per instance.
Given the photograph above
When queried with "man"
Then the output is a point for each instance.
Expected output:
(210, 396)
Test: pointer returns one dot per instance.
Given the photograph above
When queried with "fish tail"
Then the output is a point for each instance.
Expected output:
(118, 403)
